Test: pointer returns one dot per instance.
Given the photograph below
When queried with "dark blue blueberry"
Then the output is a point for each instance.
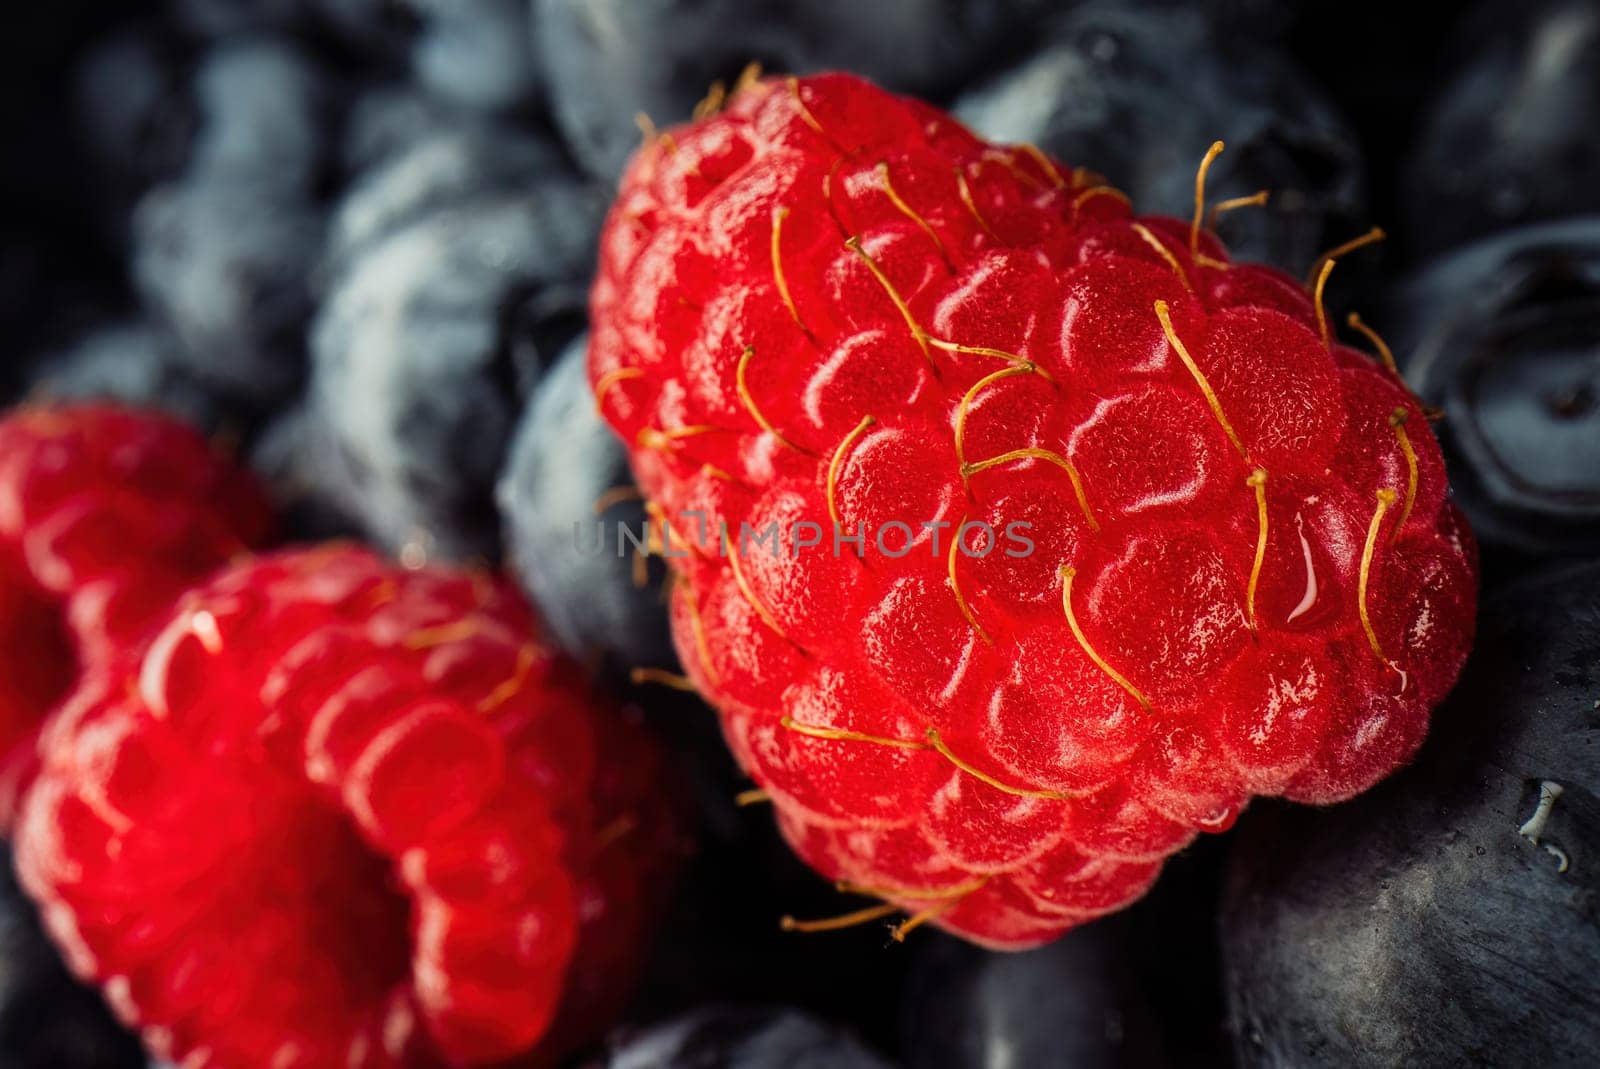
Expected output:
(386, 119)
(212, 165)
(742, 1038)
(439, 313)
(440, 165)
(252, 111)
(609, 60)
(1138, 93)
(1139, 988)
(477, 55)
(263, 116)
(472, 54)
(131, 362)
(1503, 335)
(47, 1019)
(563, 501)
(722, 942)
(1072, 1003)
(1447, 917)
(310, 481)
(1511, 136)
(225, 270)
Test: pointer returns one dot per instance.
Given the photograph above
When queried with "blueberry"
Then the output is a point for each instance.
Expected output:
(253, 111)
(476, 55)
(742, 1038)
(1510, 137)
(438, 167)
(1139, 988)
(220, 160)
(1504, 336)
(1448, 916)
(722, 942)
(1074, 1002)
(1138, 94)
(609, 60)
(48, 1020)
(263, 116)
(386, 119)
(225, 270)
(424, 345)
(131, 362)
(565, 466)
(310, 481)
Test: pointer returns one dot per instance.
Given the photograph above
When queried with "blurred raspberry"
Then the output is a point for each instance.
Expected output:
(106, 515)
(361, 801)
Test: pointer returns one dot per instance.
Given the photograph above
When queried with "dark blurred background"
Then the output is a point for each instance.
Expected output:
(352, 238)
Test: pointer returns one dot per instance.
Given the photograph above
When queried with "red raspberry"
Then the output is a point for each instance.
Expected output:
(106, 515)
(831, 305)
(340, 813)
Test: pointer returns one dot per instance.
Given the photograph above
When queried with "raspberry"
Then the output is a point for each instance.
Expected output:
(106, 515)
(829, 306)
(344, 813)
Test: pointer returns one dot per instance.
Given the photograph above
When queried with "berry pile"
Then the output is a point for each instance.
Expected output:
(1019, 531)
(1227, 566)
(343, 812)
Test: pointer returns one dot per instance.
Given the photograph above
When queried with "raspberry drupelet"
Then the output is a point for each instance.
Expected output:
(836, 310)
(345, 813)
(106, 515)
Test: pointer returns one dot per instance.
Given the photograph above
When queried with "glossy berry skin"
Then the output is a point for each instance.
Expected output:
(1243, 576)
(1506, 140)
(458, 267)
(1467, 882)
(1076, 1002)
(364, 802)
(564, 465)
(106, 515)
(1138, 91)
(609, 60)
(1501, 333)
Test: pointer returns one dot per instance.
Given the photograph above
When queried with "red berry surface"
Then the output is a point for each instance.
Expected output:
(829, 305)
(106, 515)
(340, 813)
